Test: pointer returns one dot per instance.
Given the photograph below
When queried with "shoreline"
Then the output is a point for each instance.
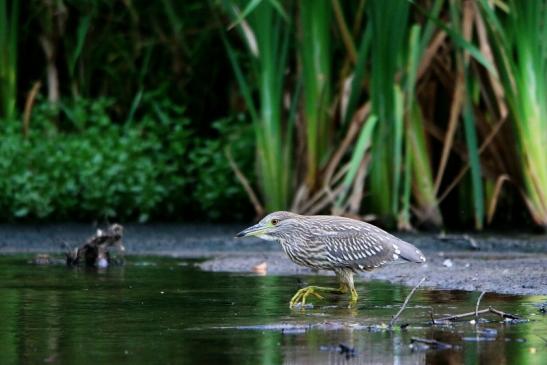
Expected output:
(506, 264)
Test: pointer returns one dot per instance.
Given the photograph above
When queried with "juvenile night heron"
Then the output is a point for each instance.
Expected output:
(340, 244)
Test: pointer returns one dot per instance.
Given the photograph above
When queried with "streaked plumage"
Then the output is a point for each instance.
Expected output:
(341, 244)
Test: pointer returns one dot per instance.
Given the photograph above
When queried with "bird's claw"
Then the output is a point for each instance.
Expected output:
(301, 295)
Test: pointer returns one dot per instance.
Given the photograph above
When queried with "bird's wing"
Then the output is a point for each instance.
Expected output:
(362, 246)
(356, 250)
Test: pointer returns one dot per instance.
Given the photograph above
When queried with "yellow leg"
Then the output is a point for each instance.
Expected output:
(354, 296)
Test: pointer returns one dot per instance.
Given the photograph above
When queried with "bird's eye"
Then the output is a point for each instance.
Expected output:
(275, 221)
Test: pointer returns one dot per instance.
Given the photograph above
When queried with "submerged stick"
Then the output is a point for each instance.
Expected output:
(460, 316)
(503, 314)
(395, 317)
(477, 306)
(476, 313)
(433, 343)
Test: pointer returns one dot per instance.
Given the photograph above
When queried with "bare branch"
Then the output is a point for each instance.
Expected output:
(395, 317)
(477, 306)
(476, 313)
(259, 209)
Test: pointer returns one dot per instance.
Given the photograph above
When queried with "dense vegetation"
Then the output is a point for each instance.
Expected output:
(126, 118)
(161, 110)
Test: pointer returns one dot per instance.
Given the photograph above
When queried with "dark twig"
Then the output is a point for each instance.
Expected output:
(477, 306)
(395, 317)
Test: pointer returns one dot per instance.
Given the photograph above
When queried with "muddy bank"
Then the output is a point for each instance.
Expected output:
(511, 273)
(514, 264)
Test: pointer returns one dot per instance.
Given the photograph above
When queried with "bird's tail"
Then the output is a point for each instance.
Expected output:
(410, 253)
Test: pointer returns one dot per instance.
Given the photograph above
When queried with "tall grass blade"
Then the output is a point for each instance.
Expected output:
(358, 75)
(386, 52)
(81, 35)
(403, 222)
(271, 33)
(397, 150)
(417, 162)
(9, 22)
(363, 143)
(423, 186)
(520, 49)
(473, 150)
(315, 56)
(460, 41)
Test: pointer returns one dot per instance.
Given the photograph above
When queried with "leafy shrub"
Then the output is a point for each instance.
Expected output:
(90, 167)
(215, 189)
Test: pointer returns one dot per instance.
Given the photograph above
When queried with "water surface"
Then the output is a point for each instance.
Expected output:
(163, 310)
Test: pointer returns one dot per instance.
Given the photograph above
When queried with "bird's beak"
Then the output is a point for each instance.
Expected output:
(255, 230)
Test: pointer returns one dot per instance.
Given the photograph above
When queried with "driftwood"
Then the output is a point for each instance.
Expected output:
(95, 251)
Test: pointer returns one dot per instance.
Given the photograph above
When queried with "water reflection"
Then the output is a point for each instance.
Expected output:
(158, 311)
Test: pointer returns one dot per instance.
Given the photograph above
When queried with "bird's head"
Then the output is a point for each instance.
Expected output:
(272, 226)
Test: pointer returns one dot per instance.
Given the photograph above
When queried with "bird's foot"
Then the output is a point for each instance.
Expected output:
(353, 299)
(344, 289)
(300, 297)
(302, 294)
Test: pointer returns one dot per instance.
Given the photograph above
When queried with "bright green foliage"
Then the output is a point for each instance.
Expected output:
(473, 149)
(315, 57)
(418, 173)
(386, 57)
(216, 193)
(96, 169)
(349, 104)
(519, 39)
(422, 175)
(469, 125)
(363, 144)
(266, 35)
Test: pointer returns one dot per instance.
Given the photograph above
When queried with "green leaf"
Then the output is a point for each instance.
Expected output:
(474, 160)
(363, 143)
(81, 34)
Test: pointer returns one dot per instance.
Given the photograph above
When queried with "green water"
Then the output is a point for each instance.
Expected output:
(158, 310)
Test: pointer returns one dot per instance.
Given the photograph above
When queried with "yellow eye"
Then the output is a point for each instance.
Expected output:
(275, 221)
